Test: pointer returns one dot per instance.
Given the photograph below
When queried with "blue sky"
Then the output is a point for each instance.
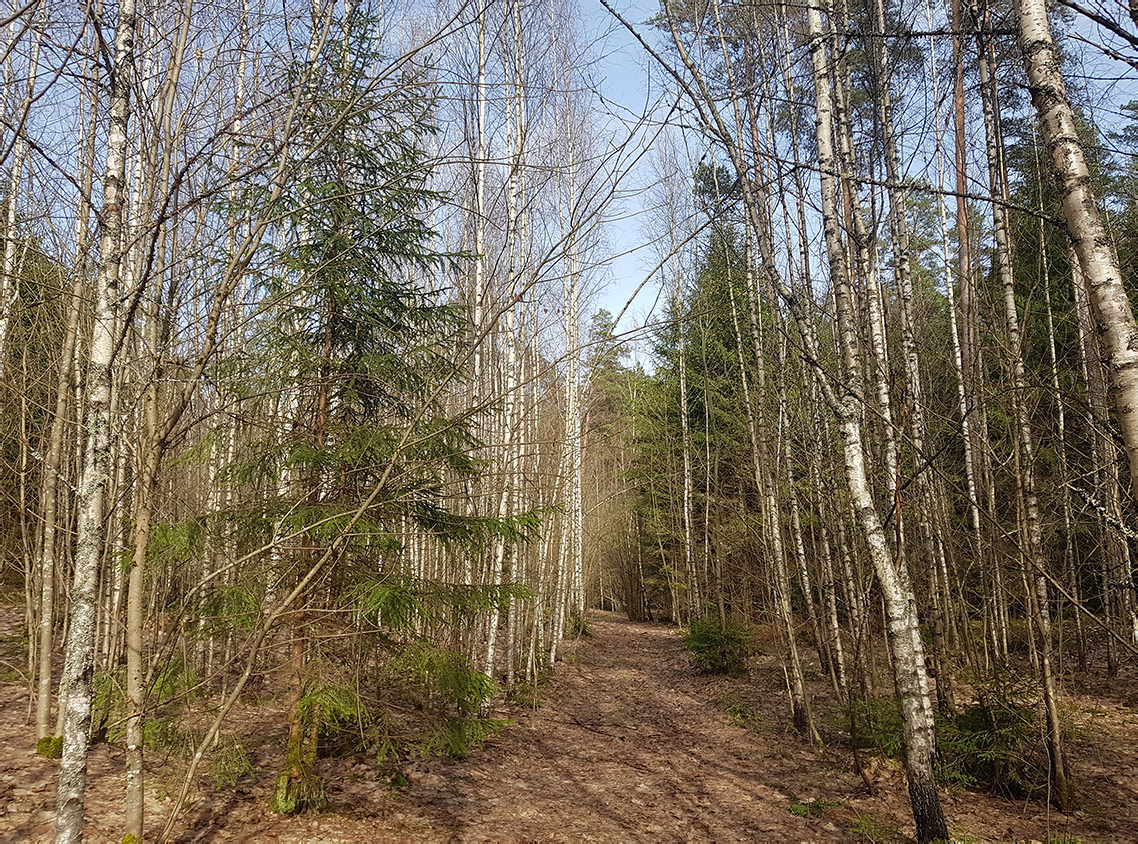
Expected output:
(628, 87)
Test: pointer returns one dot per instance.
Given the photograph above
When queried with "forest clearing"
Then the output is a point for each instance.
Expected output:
(518, 419)
(625, 743)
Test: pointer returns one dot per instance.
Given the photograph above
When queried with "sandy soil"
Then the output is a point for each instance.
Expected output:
(628, 744)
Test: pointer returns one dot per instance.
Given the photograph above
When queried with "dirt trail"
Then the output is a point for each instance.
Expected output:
(627, 748)
(628, 745)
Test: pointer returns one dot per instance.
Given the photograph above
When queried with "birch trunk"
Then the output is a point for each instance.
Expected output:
(510, 417)
(1097, 256)
(907, 651)
(925, 491)
(78, 665)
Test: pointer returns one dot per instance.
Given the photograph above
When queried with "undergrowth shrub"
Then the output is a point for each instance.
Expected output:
(229, 762)
(343, 723)
(165, 730)
(108, 704)
(454, 736)
(440, 680)
(167, 735)
(174, 684)
(875, 724)
(529, 694)
(716, 649)
(430, 701)
(177, 680)
(449, 692)
(993, 744)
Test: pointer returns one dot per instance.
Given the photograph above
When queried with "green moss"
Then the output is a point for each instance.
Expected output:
(50, 747)
(297, 791)
(810, 808)
(742, 714)
(298, 788)
(876, 832)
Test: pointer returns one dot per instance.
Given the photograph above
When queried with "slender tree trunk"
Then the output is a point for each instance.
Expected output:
(510, 416)
(765, 483)
(973, 408)
(1033, 545)
(54, 459)
(925, 491)
(78, 665)
(9, 280)
(907, 651)
(1069, 570)
(153, 441)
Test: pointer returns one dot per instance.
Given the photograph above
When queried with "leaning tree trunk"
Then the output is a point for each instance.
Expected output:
(908, 657)
(1093, 245)
(1104, 463)
(78, 668)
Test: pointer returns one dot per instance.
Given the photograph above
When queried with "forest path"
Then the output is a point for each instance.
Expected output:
(629, 744)
(626, 746)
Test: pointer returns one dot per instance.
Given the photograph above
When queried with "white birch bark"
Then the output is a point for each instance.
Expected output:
(909, 670)
(1114, 552)
(1097, 255)
(78, 665)
(925, 491)
(515, 251)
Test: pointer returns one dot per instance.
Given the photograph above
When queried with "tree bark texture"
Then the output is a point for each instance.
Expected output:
(78, 670)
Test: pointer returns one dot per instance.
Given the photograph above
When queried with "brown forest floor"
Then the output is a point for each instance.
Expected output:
(628, 744)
